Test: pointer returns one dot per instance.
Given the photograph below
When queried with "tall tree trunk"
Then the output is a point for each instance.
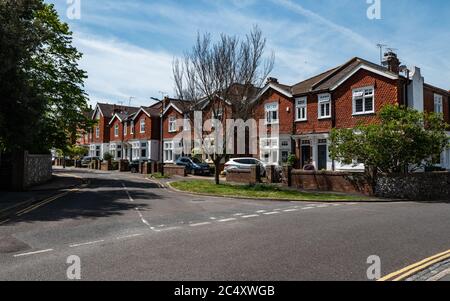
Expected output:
(217, 171)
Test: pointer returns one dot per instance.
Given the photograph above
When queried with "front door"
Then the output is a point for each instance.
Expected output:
(306, 155)
(322, 157)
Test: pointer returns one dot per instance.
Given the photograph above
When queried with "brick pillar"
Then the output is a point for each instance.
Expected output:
(123, 165)
(271, 174)
(287, 173)
(255, 174)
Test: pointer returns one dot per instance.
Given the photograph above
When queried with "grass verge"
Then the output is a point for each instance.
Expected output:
(158, 176)
(259, 191)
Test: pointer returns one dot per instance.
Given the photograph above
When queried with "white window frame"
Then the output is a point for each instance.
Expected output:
(132, 128)
(324, 99)
(125, 129)
(97, 132)
(142, 125)
(301, 106)
(172, 124)
(438, 104)
(270, 146)
(363, 97)
(116, 130)
(269, 109)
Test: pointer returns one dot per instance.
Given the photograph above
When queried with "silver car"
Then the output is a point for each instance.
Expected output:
(245, 164)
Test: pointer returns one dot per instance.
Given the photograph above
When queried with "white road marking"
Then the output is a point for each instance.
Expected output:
(213, 218)
(128, 193)
(352, 203)
(143, 219)
(227, 220)
(322, 206)
(250, 216)
(290, 210)
(238, 214)
(261, 211)
(86, 243)
(307, 208)
(33, 253)
(271, 213)
(166, 229)
(129, 236)
(200, 224)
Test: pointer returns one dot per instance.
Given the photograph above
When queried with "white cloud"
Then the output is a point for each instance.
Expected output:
(118, 71)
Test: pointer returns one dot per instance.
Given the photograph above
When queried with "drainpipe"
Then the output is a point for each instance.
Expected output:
(333, 125)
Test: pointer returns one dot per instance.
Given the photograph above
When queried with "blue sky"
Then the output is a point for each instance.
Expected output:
(129, 45)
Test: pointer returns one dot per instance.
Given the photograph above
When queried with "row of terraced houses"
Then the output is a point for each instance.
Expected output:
(305, 113)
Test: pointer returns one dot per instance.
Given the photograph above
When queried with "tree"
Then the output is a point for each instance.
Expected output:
(406, 140)
(226, 73)
(41, 85)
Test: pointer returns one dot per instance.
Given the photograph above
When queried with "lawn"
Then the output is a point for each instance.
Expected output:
(260, 191)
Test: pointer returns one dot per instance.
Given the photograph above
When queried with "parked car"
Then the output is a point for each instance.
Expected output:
(87, 160)
(194, 165)
(245, 164)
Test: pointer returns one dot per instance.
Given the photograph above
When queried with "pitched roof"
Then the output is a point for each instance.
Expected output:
(108, 110)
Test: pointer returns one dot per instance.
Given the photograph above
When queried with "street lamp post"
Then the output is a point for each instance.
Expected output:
(161, 147)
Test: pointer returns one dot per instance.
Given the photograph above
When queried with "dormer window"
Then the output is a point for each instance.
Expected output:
(324, 106)
(363, 101)
(271, 113)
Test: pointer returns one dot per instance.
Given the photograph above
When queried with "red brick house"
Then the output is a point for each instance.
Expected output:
(101, 132)
(174, 111)
(342, 97)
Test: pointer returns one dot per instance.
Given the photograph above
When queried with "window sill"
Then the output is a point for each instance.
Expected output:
(363, 114)
(301, 120)
(324, 118)
(273, 123)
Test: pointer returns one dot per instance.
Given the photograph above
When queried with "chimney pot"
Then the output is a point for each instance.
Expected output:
(392, 62)
(272, 80)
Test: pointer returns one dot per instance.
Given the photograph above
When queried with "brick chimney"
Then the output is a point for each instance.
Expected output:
(272, 80)
(392, 62)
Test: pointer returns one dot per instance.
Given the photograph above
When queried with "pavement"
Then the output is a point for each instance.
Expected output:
(125, 227)
(11, 202)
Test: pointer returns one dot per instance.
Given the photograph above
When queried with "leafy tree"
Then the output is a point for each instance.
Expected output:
(41, 85)
(229, 70)
(405, 140)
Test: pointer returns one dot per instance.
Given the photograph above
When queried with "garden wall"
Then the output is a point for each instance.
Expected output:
(245, 176)
(174, 170)
(330, 181)
(432, 186)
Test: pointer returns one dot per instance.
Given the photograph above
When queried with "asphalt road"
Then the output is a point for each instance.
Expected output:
(124, 227)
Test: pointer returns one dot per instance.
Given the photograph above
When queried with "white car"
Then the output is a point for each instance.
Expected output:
(245, 164)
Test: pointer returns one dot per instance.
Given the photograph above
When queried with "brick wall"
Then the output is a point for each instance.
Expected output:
(170, 113)
(386, 92)
(428, 95)
(111, 130)
(104, 137)
(174, 170)
(330, 181)
(285, 110)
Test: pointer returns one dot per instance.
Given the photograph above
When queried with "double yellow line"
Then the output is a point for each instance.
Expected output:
(417, 267)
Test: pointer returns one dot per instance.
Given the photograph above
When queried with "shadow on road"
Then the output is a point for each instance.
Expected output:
(102, 198)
